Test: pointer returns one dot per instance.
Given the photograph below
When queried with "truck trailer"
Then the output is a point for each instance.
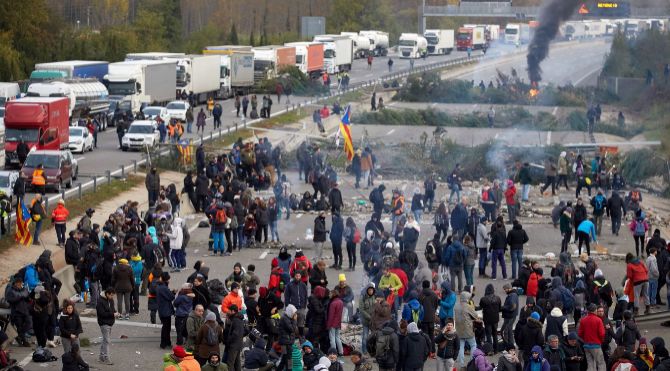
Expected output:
(362, 46)
(87, 98)
(411, 45)
(141, 82)
(471, 37)
(69, 70)
(41, 123)
(338, 52)
(379, 41)
(269, 60)
(309, 58)
(517, 33)
(196, 77)
(440, 42)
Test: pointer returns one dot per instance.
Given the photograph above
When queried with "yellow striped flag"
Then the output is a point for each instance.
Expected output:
(23, 235)
(345, 131)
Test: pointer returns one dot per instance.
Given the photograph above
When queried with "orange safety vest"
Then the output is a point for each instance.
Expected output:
(171, 130)
(38, 178)
(401, 201)
(210, 105)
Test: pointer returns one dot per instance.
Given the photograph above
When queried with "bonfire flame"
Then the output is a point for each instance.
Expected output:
(534, 90)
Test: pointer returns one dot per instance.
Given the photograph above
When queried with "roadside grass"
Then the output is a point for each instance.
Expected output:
(78, 207)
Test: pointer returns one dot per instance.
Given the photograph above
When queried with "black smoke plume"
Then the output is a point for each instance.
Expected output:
(552, 14)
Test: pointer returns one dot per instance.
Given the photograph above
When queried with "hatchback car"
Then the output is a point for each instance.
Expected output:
(140, 134)
(81, 139)
(177, 110)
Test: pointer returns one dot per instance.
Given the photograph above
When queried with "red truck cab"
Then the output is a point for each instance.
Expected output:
(42, 123)
(464, 38)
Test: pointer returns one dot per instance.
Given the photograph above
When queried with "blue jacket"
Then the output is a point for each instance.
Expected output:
(256, 357)
(459, 217)
(296, 294)
(540, 365)
(137, 267)
(337, 230)
(164, 299)
(452, 251)
(511, 307)
(183, 305)
(412, 306)
(587, 227)
(447, 302)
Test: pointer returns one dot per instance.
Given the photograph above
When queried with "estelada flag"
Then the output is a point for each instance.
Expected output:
(23, 235)
(345, 131)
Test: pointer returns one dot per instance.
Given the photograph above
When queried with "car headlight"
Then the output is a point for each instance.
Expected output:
(125, 140)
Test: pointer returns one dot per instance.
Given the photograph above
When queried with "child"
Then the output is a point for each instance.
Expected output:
(249, 230)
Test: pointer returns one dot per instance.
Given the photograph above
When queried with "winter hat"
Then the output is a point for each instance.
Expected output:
(324, 361)
(179, 351)
(342, 277)
(642, 341)
(332, 351)
(573, 336)
(210, 316)
(123, 261)
(535, 316)
(290, 310)
(425, 284)
(389, 245)
(412, 328)
(507, 286)
(599, 274)
(482, 219)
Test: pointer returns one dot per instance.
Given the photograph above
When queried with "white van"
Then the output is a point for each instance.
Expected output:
(9, 91)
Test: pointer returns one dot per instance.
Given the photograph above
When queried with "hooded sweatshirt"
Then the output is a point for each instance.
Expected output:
(556, 324)
(490, 304)
(447, 302)
(536, 364)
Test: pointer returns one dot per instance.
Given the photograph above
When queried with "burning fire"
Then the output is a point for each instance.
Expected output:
(534, 91)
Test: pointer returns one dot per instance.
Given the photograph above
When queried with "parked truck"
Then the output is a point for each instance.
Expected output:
(338, 52)
(9, 91)
(439, 41)
(196, 77)
(153, 56)
(87, 98)
(237, 68)
(269, 60)
(41, 123)
(309, 58)
(68, 70)
(412, 45)
(472, 38)
(362, 46)
(379, 41)
(141, 82)
(517, 34)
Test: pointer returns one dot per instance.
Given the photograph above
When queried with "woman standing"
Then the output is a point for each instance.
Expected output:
(70, 326)
(273, 216)
(441, 221)
(352, 236)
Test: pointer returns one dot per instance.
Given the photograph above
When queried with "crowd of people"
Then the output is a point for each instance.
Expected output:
(411, 309)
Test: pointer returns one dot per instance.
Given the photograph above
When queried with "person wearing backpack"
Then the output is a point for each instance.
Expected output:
(560, 293)
(599, 203)
(218, 219)
(455, 258)
(639, 228)
(207, 341)
(352, 236)
(387, 348)
(415, 349)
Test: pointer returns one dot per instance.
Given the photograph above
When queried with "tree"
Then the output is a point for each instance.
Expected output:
(233, 39)
(252, 38)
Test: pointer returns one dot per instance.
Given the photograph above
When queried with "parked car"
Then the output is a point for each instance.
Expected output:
(7, 180)
(60, 168)
(140, 134)
(177, 110)
(80, 140)
(154, 112)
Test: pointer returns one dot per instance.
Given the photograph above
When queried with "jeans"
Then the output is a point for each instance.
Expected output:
(67, 343)
(394, 223)
(639, 244)
(595, 359)
(517, 259)
(507, 332)
(123, 298)
(153, 197)
(641, 292)
(38, 229)
(106, 339)
(219, 244)
(461, 350)
(240, 236)
(365, 175)
(616, 224)
(468, 270)
(525, 189)
(318, 251)
(456, 273)
(457, 190)
(335, 341)
(166, 326)
(364, 339)
(598, 219)
(274, 232)
(498, 256)
(653, 287)
(189, 126)
(482, 261)
(417, 215)
(511, 212)
(60, 232)
(428, 202)
(445, 364)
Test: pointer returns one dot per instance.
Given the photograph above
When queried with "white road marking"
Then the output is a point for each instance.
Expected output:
(391, 132)
(263, 255)
(549, 138)
(24, 362)
(554, 111)
(587, 75)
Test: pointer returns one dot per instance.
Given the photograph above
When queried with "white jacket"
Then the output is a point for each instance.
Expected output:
(176, 234)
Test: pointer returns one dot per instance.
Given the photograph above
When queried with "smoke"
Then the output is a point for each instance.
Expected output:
(552, 14)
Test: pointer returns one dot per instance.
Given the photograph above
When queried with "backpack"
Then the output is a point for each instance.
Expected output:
(639, 228)
(599, 203)
(212, 337)
(568, 300)
(458, 258)
(159, 254)
(41, 355)
(220, 216)
(472, 366)
(485, 195)
(383, 352)
(416, 315)
(30, 277)
(357, 236)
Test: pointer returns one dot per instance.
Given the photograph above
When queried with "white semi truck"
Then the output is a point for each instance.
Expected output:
(439, 41)
(362, 46)
(379, 41)
(517, 33)
(141, 82)
(338, 52)
(411, 45)
(196, 76)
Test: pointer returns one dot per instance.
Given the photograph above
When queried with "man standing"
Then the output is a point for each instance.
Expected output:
(37, 213)
(510, 310)
(320, 232)
(429, 192)
(295, 295)
(233, 335)
(464, 317)
(19, 303)
(592, 332)
(430, 302)
(153, 184)
(164, 298)
(516, 238)
(335, 199)
(365, 309)
(217, 112)
(616, 209)
(599, 203)
(59, 218)
(106, 315)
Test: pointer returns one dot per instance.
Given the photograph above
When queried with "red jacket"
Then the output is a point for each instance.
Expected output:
(533, 282)
(403, 278)
(60, 214)
(335, 309)
(301, 260)
(591, 329)
(509, 195)
(636, 271)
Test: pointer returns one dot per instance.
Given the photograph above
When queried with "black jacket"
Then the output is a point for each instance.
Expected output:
(234, 333)
(257, 357)
(569, 352)
(416, 349)
(430, 302)
(450, 347)
(69, 325)
(530, 335)
(335, 199)
(72, 251)
(105, 311)
(615, 206)
(516, 237)
(320, 229)
(315, 277)
(490, 304)
(498, 240)
(287, 330)
(202, 185)
(580, 214)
